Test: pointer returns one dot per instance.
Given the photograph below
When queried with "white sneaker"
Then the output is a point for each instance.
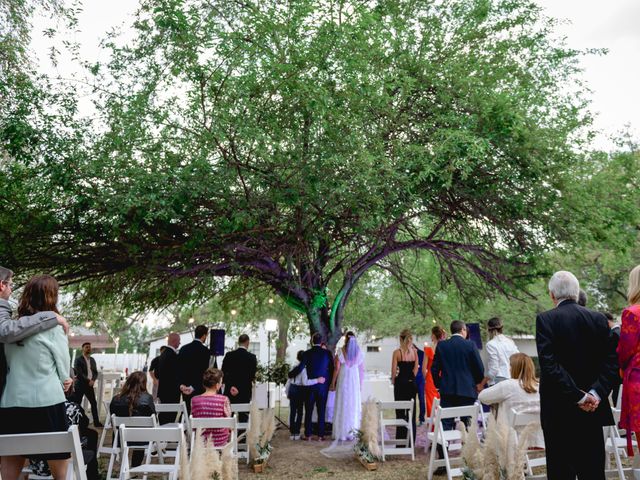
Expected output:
(296, 437)
(292, 437)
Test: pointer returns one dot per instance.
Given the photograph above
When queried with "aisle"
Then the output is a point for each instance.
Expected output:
(304, 460)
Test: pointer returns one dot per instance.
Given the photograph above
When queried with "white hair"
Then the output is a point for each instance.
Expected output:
(564, 285)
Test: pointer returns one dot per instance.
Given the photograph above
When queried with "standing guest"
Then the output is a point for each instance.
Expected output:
(133, 400)
(629, 356)
(430, 391)
(318, 363)
(519, 393)
(153, 367)
(420, 384)
(211, 404)
(298, 393)
(239, 369)
(499, 351)
(86, 375)
(12, 331)
(193, 361)
(38, 375)
(404, 367)
(578, 367)
(457, 373)
(614, 331)
(167, 374)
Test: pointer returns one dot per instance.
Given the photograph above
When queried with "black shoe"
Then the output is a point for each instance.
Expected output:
(97, 425)
(440, 471)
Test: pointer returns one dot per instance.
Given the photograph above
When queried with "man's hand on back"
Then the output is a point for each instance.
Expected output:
(63, 323)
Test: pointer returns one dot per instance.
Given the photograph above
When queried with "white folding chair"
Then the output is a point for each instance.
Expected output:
(149, 436)
(615, 444)
(45, 443)
(520, 420)
(223, 422)
(400, 446)
(431, 422)
(136, 422)
(179, 409)
(446, 438)
(243, 427)
(103, 436)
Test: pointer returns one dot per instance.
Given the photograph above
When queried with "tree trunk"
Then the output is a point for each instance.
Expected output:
(282, 342)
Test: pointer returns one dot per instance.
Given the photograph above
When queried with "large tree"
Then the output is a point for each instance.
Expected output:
(297, 145)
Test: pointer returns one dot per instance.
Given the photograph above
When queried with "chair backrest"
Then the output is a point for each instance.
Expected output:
(240, 407)
(399, 405)
(619, 399)
(219, 422)
(154, 434)
(140, 422)
(522, 419)
(46, 443)
(457, 412)
(178, 408)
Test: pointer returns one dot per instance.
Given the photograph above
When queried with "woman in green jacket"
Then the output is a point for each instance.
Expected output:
(38, 373)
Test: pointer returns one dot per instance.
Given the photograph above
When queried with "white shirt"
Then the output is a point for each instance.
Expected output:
(499, 350)
(303, 379)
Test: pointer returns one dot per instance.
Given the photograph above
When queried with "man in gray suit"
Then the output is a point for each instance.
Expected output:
(12, 331)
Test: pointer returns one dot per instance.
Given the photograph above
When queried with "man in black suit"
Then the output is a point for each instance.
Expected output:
(578, 366)
(193, 360)
(319, 363)
(239, 369)
(86, 375)
(167, 375)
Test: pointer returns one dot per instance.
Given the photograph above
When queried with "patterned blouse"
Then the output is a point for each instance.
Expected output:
(212, 406)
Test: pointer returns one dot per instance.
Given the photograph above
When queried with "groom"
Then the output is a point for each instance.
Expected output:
(319, 363)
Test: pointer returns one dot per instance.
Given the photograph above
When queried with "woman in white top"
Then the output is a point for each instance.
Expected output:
(499, 351)
(519, 393)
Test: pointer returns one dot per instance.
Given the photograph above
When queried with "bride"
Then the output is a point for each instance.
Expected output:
(347, 381)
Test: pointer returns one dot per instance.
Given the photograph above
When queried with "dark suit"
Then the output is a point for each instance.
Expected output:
(576, 355)
(82, 387)
(193, 360)
(319, 363)
(239, 367)
(168, 382)
(456, 370)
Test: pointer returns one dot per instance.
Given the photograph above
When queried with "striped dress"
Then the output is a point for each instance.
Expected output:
(212, 406)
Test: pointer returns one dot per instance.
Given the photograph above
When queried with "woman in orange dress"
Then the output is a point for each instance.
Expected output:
(430, 390)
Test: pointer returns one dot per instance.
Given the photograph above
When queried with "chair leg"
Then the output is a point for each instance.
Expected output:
(413, 453)
(112, 457)
(382, 438)
(434, 448)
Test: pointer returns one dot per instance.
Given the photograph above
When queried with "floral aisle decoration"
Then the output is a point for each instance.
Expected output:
(261, 429)
(367, 446)
(501, 457)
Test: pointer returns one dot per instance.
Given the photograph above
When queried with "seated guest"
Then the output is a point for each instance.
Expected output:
(133, 401)
(297, 395)
(211, 404)
(519, 393)
(88, 440)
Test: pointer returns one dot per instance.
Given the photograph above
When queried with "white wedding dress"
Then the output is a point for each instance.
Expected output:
(348, 405)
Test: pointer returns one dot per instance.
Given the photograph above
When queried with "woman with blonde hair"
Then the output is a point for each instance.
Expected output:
(519, 393)
(629, 357)
(404, 367)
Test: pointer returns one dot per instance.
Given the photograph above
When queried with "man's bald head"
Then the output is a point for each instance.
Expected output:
(173, 340)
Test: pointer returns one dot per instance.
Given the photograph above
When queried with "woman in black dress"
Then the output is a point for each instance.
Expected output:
(404, 367)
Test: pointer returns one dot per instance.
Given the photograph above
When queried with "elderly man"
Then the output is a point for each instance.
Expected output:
(578, 367)
(168, 377)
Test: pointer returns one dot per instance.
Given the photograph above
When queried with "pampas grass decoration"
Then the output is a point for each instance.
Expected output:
(198, 463)
(229, 464)
(492, 445)
(268, 427)
(472, 452)
(370, 427)
(214, 465)
(184, 473)
(524, 440)
(253, 434)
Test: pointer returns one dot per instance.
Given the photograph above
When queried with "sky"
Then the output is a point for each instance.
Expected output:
(614, 78)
